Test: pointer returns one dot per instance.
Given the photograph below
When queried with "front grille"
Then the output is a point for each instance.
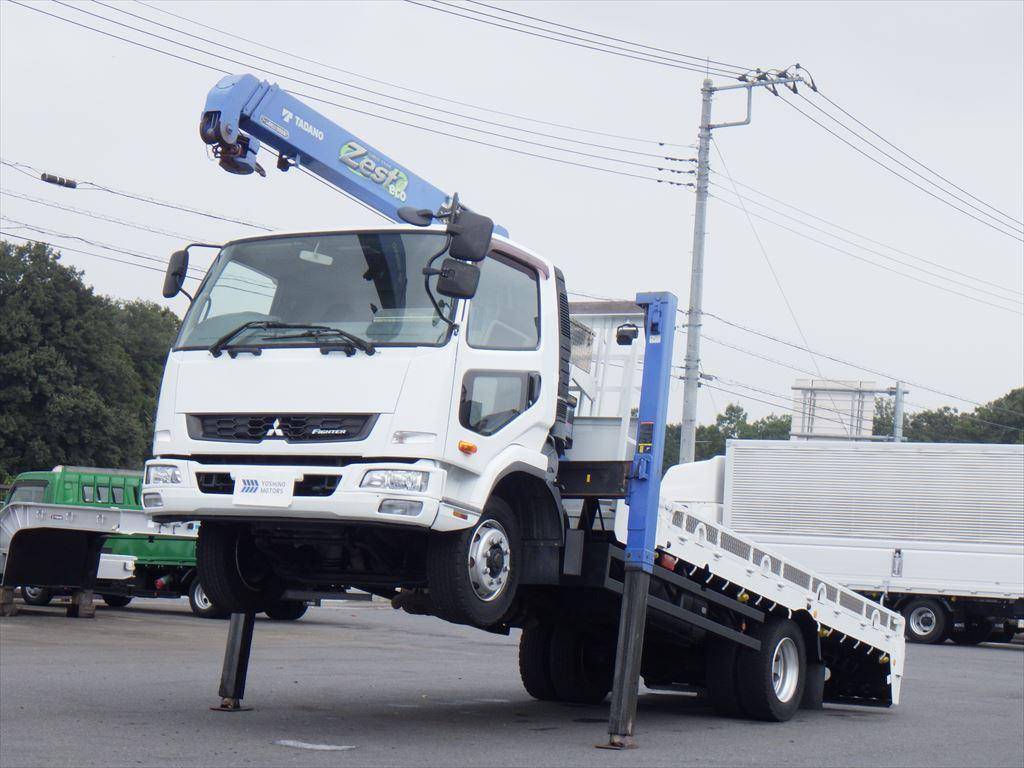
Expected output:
(310, 485)
(291, 428)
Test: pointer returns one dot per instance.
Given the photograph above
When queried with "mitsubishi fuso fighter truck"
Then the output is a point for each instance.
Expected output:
(390, 409)
(932, 530)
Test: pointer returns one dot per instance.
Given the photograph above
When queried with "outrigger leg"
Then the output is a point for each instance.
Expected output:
(236, 663)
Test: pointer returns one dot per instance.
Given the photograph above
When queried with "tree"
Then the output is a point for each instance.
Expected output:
(730, 424)
(1000, 421)
(79, 372)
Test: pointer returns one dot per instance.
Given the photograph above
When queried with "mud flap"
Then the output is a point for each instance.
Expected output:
(47, 557)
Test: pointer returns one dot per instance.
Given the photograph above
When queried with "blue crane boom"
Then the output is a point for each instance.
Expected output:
(242, 111)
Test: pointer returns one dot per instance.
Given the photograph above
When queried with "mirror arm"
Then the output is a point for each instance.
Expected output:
(428, 272)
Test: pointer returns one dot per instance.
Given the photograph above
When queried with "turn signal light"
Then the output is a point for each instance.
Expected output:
(467, 447)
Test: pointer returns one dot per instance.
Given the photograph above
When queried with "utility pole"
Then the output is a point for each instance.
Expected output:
(897, 412)
(688, 430)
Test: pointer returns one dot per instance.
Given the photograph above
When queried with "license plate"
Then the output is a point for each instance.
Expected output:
(263, 489)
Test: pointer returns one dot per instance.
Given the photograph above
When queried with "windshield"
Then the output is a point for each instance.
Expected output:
(368, 284)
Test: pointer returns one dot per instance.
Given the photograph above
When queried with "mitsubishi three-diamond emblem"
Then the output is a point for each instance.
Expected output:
(275, 430)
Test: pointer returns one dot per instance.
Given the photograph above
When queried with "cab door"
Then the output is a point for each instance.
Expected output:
(500, 374)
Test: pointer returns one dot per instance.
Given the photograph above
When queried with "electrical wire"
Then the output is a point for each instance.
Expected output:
(89, 185)
(873, 263)
(546, 134)
(1013, 221)
(351, 109)
(896, 173)
(852, 232)
(293, 55)
(343, 94)
(87, 253)
(648, 58)
(698, 59)
(771, 268)
(98, 216)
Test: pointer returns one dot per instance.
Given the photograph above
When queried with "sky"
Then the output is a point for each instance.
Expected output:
(942, 81)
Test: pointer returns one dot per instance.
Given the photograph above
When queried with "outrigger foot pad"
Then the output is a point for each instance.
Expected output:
(616, 741)
(231, 705)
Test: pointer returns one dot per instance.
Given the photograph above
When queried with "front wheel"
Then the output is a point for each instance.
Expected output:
(286, 610)
(36, 595)
(117, 601)
(201, 604)
(926, 621)
(234, 573)
(473, 574)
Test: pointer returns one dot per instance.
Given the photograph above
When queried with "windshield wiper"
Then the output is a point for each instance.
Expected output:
(320, 331)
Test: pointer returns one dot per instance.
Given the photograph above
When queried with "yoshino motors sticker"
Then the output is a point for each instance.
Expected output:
(263, 489)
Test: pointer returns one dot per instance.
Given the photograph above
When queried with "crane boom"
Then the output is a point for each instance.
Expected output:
(242, 111)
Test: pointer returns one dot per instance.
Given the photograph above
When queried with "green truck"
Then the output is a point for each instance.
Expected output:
(143, 563)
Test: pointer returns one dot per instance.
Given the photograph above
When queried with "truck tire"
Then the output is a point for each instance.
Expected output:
(36, 595)
(201, 604)
(116, 601)
(473, 574)
(720, 677)
(286, 610)
(771, 680)
(234, 573)
(1005, 633)
(535, 662)
(926, 621)
(582, 669)
(975, 631)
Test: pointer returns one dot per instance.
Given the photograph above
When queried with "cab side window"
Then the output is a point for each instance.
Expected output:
(505, 312)
(492, 399)
(31, 493)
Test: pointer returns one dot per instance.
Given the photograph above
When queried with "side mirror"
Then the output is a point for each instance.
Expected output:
(457, 279)
(471, 235)
(175, 277)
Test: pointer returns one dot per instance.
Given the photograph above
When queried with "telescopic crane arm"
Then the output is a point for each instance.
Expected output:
(242, 111)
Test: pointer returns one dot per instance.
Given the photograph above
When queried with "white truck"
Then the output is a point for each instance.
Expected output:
(933, 530)
(334, 425)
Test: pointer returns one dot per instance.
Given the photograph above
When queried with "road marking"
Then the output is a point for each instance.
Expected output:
(316, 747)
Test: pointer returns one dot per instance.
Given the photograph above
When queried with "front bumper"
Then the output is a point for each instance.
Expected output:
(348, 502)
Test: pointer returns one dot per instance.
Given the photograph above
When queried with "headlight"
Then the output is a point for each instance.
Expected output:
(162, 474)
(396, 480)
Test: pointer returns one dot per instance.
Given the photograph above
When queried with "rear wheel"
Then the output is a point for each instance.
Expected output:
(926, 621)
(974, 631)
(1005, 633)
(286, 610)
(535, 662)
(201, 604)
(235, 575)
(36, 595)
(473, 574)
(771, 680)
(117, 601)
(582, 668)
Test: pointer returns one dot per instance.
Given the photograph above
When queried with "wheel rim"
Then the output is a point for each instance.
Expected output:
(785, 669)
(32, 593)
(489, 560)
(199, 597)
(922, 620)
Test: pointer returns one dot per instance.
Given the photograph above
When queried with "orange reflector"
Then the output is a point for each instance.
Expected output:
(467, 447)
(460, 515)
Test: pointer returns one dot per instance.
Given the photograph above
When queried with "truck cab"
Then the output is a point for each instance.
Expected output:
(335, 420)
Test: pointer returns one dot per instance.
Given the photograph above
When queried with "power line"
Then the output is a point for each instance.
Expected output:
(293, 55)
(89, 185)
(852, 232)
(858, 366)
(342, 106)
(771, 268)
(874, 263)
(546, 134)
(932, 171)
(896, 173)
(568, 40)
(87, 253)
(394, 98)
(97, 216)
(697, 59)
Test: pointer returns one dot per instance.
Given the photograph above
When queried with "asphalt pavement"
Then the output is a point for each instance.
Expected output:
(361, 684)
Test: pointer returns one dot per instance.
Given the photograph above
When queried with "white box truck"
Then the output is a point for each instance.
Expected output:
(933, 530)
